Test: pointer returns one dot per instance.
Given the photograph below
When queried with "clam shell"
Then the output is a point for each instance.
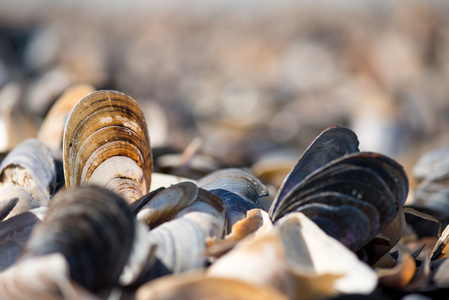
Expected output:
(239, 190)
(181, 242)
(93, 228)
(106, 142)
(29, 173)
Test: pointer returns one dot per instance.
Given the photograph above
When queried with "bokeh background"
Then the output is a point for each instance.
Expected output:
(247, 79)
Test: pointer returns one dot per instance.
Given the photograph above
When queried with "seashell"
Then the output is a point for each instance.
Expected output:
(168, 202)
(14, 233)
(106, 142)
(44, 277)
(197, 286)
(257, 221)
(30, 174)
(93, 228)
(384, 241)
(7, 205)
(180, 244)
(400, 275)
(369, 187)
(298, 259)
(182, 241)
(139, 203)
(208, 211)
(332, 143)
(239, 190)
(51, 131)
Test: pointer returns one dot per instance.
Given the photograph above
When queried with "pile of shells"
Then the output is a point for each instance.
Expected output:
(102, 224)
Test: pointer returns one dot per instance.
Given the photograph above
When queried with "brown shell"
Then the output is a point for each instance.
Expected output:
(103, 125)
(52, 128)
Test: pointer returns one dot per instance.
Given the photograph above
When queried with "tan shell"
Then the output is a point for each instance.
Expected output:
(295, 259)
(44, 277)
(51, 131)
(194, 285)
(106, 142)
(168, 202)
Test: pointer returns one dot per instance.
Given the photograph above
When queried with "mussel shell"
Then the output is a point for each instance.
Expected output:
(24, 202)
(180, 244)
(239, 190)
(163, 206)
(15, 232)
(353, 228)
(93, 228)
(102, 125)
(31, 167)
(332, 143)
(360, 183)
(208, 211)
(7, 205)
(336, 199)
(377, 186)
(391, 172)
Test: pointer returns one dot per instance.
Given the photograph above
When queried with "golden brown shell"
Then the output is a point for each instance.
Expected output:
(106, 142)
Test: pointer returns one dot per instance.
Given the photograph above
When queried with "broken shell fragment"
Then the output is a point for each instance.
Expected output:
(296, 260)
(196, 286)
(106, 142)
(28, 173)
(257, 221)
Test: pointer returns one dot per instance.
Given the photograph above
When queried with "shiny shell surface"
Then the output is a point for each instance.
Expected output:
(106, 142)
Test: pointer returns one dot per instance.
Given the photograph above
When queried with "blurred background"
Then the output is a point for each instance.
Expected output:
(237, 80)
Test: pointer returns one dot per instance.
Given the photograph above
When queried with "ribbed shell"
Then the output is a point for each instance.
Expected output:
(104, 125)
(351, 195)
(93, 228)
